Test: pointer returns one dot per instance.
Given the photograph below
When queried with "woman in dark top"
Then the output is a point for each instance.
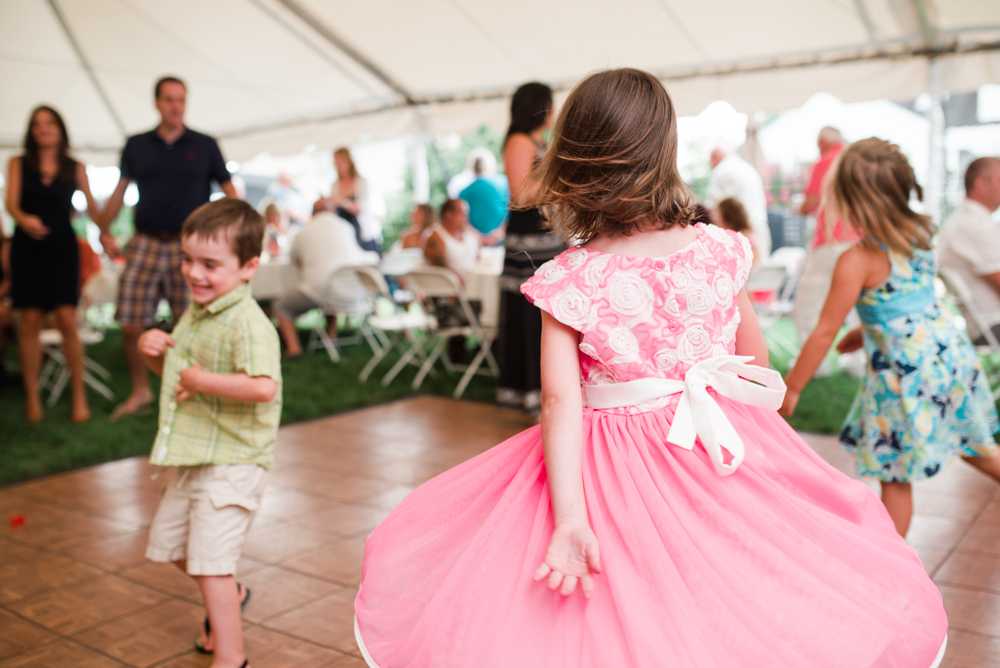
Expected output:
(44, 258)
(529, 244)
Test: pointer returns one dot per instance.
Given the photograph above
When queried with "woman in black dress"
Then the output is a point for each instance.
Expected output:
(44, 257)
(528, 244)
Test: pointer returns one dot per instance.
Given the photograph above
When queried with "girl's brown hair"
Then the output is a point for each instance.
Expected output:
(612, 166)
(871, 189)
(734, 215)
(345, 153)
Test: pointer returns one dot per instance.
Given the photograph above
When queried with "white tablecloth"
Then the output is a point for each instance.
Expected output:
(483, 283)
(273, 280)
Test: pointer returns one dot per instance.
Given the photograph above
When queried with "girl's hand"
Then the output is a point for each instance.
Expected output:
(33, 227)
(853, 340)
(788, 405)
(188, 385)
(154, 342)
(573, 556)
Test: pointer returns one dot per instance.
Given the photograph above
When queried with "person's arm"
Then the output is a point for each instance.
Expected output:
(112, 207)
(83, 185)
(152, 346)
(573, 554)
(434, 252)
(238, 386)
(993, 280)
(228, 188)
(849, 278)
(4, 264)
(809, 204)
(30, 223)
(518, 159)
(749, 338)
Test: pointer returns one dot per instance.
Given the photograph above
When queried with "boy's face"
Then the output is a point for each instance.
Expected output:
(211, 268)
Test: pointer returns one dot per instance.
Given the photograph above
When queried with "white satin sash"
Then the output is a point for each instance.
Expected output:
(698, 414)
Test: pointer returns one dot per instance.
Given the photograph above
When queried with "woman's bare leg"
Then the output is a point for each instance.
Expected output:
(73, 349)
(898, 500)
(28, 330)
(988, 465)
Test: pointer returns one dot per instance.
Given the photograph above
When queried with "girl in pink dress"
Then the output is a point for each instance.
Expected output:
(664, 515)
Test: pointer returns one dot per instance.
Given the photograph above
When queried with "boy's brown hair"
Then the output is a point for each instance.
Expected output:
(871, 189)
(733, 215)
(235, 219)
(612, 166)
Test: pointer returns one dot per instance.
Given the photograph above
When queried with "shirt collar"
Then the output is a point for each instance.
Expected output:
(978, 208)
(220, 304)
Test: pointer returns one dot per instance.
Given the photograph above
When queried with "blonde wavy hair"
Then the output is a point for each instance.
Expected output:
(612, 166)
(871, 190)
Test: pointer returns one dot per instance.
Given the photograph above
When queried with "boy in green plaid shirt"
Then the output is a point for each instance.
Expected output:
(220, 404)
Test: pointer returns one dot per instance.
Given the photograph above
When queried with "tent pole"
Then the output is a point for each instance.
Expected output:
(87, 68)
(934, 189)
(419, 166)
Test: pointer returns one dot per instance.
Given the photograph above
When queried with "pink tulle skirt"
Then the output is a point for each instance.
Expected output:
(787, 563)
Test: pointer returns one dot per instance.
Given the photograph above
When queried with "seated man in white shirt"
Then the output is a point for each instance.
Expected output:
(325, 244)
(969, 244)
(453, 243)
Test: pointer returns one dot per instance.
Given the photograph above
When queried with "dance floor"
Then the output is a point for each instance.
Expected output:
(75, 589)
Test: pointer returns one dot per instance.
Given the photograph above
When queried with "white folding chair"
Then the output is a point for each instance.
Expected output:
(97, 292)
(343, 278)
(780, 275)
(427, 282)
(391, 329)
(962, 294)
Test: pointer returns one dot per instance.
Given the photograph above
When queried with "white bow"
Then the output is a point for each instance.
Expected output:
(698, 414)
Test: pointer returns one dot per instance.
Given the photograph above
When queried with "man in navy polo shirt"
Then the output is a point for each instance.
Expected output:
(173, 167)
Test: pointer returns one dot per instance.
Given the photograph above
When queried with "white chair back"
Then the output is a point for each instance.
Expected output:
(373, 280)
(960, 290)
(435, 282)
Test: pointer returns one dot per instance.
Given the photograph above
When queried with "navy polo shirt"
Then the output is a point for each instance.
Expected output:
(173, 179)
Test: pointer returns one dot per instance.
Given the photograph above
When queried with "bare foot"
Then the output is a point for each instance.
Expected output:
(33, 410)
(81, 413)
(135, 403)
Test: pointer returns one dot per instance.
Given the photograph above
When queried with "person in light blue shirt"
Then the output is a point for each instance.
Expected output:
(488, 197)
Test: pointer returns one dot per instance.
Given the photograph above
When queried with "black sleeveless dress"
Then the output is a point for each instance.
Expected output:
(45, 273)
(519, 344)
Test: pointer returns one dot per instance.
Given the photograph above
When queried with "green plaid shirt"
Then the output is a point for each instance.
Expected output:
(230, 335)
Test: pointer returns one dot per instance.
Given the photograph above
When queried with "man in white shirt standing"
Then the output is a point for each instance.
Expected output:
(969, 244)
(732, 176)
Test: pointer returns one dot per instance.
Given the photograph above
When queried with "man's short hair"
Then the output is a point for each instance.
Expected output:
(451, 205)
(979, 167)
(165, 80)
(235, 219)
(831, 135)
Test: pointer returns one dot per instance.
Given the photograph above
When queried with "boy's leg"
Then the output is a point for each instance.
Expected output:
(222, 510)
(222, 602)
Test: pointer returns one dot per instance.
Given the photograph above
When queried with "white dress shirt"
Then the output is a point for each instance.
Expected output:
(735, 177)
(969, 245)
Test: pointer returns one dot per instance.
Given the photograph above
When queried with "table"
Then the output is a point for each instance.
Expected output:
(483, 283)
(274, 279)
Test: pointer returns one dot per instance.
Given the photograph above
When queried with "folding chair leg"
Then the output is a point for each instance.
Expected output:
(470, 372)
(96, 368)
(426, 368)
(328, 344)
(416, 348)
(98, 386)
(58, 386)
(379, 355)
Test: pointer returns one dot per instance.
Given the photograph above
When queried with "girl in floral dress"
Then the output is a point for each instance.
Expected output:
(925, 399)
(662, 514)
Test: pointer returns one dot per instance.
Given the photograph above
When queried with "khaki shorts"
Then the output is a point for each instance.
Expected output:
(205, 515)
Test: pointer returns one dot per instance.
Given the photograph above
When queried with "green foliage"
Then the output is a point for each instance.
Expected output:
(445, 158)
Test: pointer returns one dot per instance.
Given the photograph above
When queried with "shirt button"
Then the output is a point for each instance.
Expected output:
(659, 266)
(166, 429)
(172, 405)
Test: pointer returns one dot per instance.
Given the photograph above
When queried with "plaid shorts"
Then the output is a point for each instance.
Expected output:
(153, 272)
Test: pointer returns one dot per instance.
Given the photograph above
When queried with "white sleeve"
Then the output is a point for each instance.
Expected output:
(979, 245)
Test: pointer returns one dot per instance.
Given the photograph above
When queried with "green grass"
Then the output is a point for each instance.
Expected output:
(314, 387)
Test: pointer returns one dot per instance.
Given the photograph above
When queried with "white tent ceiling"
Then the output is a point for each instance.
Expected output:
(277, 75)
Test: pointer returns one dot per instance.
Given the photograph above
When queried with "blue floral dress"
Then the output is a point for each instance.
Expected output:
(925, 397)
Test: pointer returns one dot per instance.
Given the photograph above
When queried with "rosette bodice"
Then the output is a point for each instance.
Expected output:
(647, 317)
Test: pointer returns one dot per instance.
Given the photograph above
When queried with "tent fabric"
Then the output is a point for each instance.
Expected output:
(281, 74)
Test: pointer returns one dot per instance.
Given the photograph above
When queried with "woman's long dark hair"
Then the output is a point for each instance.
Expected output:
(529, 108)
(67, 165)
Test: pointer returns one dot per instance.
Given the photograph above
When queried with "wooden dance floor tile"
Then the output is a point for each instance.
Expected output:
(76, 589)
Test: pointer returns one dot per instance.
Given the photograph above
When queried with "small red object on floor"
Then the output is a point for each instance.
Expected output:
(16, 521)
